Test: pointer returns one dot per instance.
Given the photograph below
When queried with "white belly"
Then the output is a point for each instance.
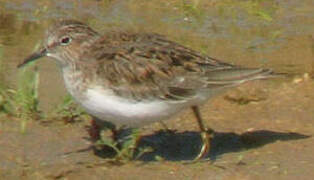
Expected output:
(105, 105)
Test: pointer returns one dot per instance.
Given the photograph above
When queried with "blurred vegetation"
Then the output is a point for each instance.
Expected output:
(125, 147)
(68, 111)
(264, 9)
(21, 102)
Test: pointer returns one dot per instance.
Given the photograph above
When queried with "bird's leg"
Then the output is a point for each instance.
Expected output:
(97, 126)
(206, 134)
(94, 131)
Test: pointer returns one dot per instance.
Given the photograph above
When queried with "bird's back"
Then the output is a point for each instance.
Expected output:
(146, 66)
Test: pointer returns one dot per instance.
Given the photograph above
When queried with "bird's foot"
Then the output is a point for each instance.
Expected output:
(206, 137)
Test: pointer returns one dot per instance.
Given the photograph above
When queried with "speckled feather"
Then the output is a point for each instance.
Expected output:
(144, 66)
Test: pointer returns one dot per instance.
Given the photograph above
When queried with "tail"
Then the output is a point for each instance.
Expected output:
(254, 74)
(234, 76)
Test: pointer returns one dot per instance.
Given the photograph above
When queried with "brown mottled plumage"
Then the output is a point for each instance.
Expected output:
(137, 78)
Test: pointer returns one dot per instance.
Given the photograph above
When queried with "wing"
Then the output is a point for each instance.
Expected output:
(144, 66)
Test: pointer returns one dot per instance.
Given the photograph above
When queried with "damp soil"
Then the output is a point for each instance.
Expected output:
(263, 129)
(267, 137)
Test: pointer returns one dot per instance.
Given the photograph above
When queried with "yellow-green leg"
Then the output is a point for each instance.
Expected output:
(206, 134)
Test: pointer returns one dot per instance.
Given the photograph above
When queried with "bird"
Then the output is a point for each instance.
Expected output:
(132, 79)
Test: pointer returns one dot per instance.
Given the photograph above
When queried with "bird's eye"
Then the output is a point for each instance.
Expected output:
(65, 40)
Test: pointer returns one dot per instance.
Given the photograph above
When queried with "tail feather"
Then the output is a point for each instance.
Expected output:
(234, 76)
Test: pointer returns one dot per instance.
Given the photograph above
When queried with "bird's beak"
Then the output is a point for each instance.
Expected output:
(36, 55)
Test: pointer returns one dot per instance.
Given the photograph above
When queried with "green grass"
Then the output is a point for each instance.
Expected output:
(263, 9)
(68, 111)
(192, 9)
(126, 148)
(21, 102)
(26, 96)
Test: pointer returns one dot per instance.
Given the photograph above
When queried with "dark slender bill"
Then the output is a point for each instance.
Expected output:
(42, 52)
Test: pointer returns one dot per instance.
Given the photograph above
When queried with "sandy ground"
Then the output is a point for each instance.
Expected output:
(262, 131)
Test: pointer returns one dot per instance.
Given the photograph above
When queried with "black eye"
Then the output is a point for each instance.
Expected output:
(65, 40)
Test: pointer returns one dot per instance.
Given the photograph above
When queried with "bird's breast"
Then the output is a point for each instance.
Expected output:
(107, 106)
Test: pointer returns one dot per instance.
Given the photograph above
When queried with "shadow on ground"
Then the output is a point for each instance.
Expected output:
(185, 146)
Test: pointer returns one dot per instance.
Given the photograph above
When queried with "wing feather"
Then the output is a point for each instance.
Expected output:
(145, 66)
